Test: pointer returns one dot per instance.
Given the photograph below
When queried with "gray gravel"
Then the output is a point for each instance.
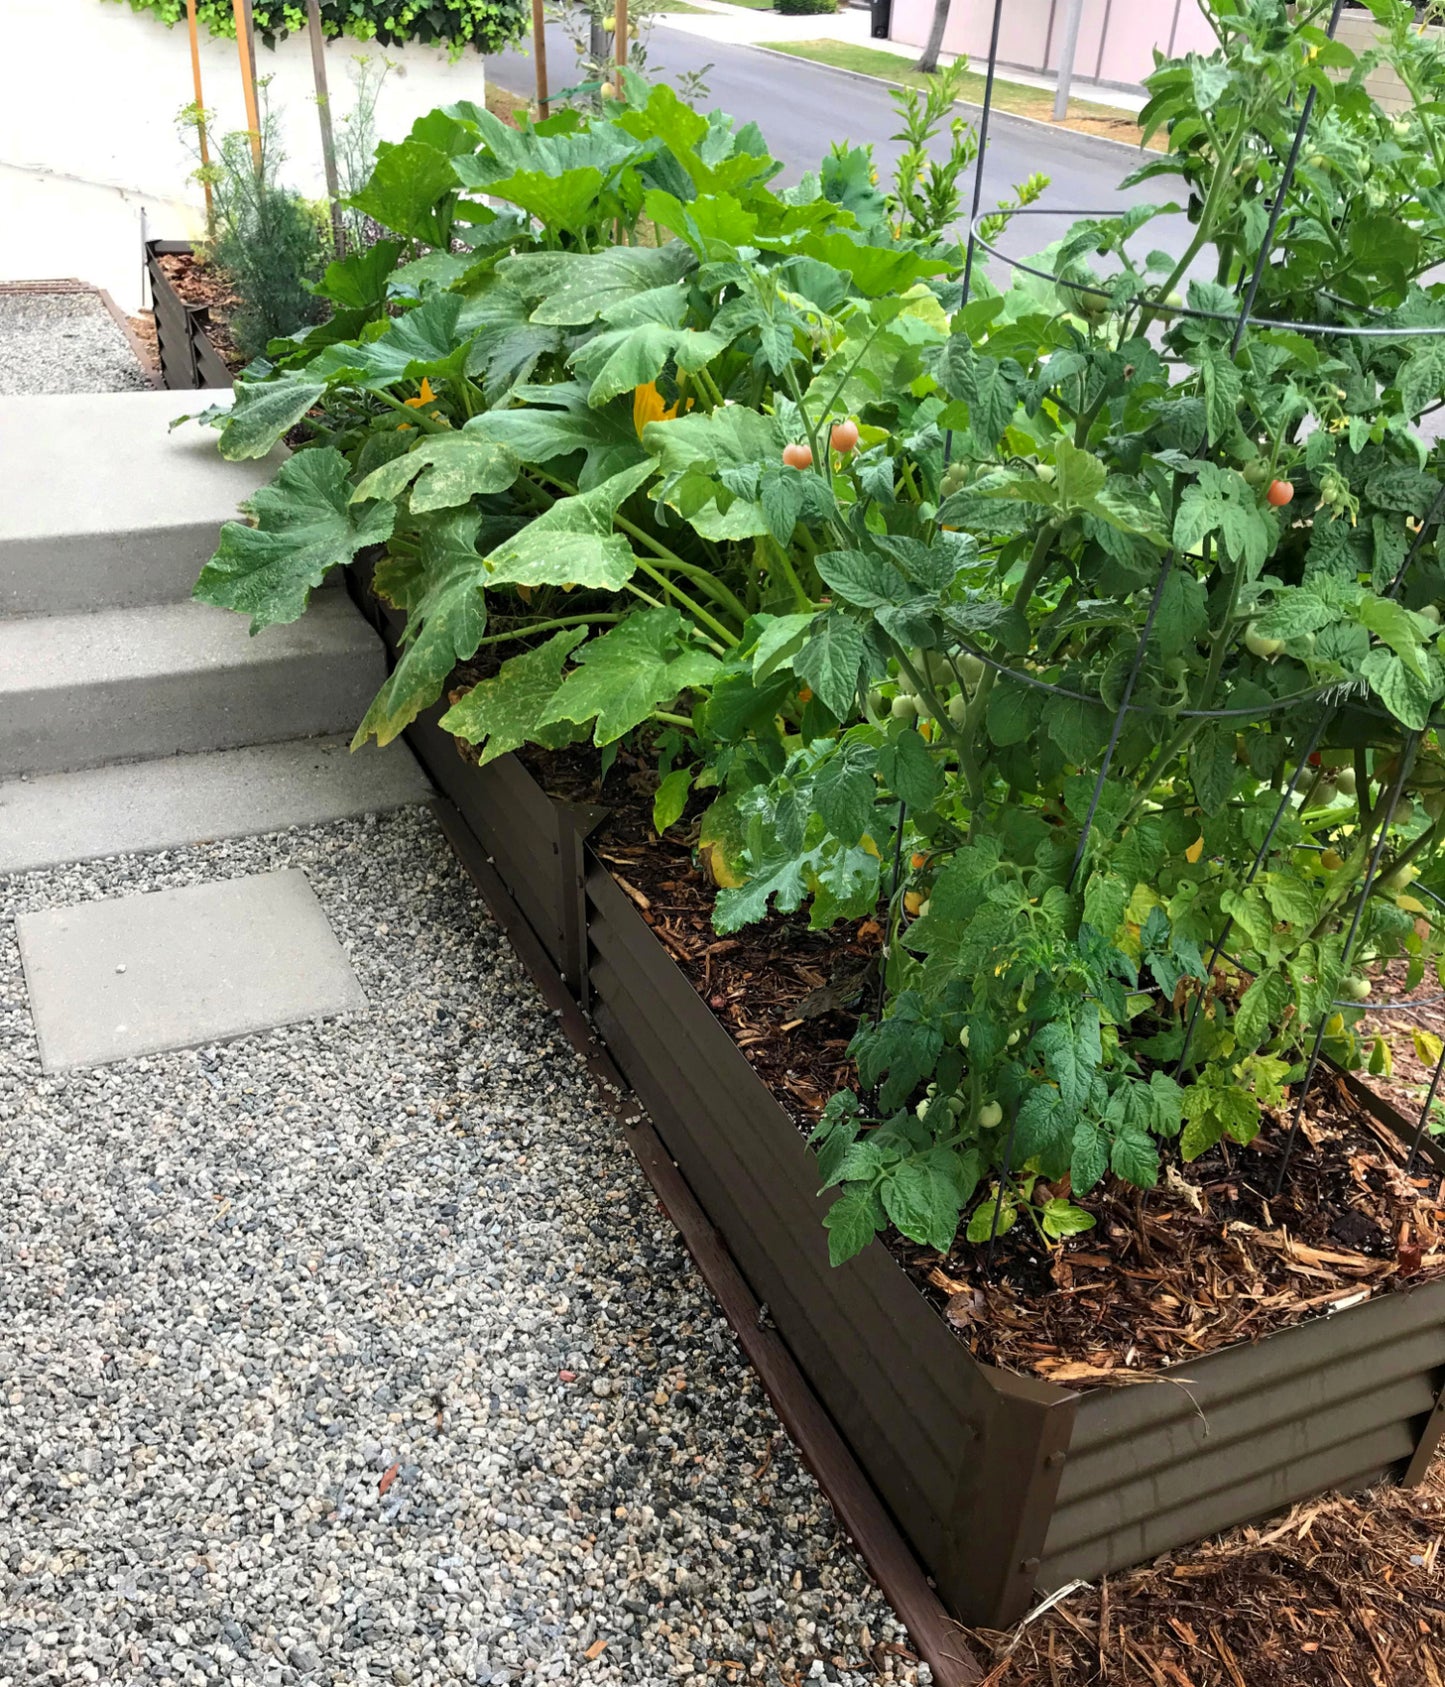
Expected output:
(63, 342)
(361, 1352)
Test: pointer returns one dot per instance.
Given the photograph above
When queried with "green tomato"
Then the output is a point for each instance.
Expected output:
(1402, 878)
(963, 1038)
(990, 1115)
(971, 667)
(1258, 645)
(1345, 781)
(1045, 472)
(1355, 989)
(1256, 472)
(904, 707)
(1431, 612)
(1433, 803)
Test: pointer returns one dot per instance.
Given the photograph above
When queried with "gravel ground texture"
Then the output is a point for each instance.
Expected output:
(63, 342)
(360, 1352)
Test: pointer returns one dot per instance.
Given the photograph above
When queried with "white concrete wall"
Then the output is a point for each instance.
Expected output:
(89, 92)
(1117, 38)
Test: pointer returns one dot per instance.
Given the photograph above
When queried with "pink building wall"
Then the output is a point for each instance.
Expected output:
(1117, 38)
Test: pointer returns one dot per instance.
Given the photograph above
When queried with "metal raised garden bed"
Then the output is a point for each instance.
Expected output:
(188, 355)
(1003, 1484)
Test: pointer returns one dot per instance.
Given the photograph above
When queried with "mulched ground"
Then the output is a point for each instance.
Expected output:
(1338, 1592)
(1210, 1258)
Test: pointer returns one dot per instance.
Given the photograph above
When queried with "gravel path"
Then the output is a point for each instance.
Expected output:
(63, 342)
(361, 1353)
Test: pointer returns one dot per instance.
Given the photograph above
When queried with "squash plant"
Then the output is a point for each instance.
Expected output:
(569, 415)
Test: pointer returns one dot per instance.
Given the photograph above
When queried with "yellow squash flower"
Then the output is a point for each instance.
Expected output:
(648, 406)
(425, 396)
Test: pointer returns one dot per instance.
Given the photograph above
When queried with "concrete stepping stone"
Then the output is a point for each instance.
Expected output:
(175, 969)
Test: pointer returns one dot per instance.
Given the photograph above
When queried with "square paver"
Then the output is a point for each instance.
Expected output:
(177, 968)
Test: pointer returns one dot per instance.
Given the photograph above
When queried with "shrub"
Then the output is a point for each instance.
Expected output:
(804, 8)
(487, 25)
(268, 241)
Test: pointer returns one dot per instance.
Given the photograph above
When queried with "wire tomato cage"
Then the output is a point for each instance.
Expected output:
(1326, 702)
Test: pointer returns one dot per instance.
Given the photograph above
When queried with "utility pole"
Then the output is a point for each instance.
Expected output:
(1067, 49)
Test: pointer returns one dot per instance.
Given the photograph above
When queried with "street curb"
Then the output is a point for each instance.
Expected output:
(1005, 117)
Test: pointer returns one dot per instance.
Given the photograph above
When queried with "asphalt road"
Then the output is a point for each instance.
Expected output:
(802, 108)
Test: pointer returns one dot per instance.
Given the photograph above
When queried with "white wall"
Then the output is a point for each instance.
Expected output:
(89, 92)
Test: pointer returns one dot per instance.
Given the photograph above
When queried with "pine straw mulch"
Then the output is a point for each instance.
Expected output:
(1207, 1260)
(1339, 1592)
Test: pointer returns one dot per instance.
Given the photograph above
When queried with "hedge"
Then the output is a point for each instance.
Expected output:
(487, 25)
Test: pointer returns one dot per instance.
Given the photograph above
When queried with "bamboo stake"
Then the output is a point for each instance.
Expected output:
(242, 12)
(619, 41)
(200, 111)
(539, 51)
(328, 139)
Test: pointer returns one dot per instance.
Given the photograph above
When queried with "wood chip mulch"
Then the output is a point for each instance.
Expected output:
(1342, 1591)
(1208, 1259)
(199, 283)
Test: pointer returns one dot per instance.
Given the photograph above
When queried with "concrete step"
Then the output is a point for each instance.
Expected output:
(103, 507)
(135, 808)
(79, 691)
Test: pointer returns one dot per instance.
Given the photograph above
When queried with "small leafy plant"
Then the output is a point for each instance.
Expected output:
(270, 243)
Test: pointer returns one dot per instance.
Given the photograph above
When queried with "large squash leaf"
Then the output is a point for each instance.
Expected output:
(538, 431)
(264, 412)
(573, 542)
(442, 592)
(502, 713)
(457, 466)
(504, 345)
(571, 289)
(304, 526)
(425, 341)
(625, 674)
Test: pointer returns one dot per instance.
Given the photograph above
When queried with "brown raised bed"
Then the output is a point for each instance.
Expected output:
(1004, 1485)
(188, 356)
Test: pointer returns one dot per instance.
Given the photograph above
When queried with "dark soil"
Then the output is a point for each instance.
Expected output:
(198, 283)
(1208, 1259)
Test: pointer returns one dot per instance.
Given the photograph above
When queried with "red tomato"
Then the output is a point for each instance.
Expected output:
(1280, 493)
(798, 456)
(845, 436)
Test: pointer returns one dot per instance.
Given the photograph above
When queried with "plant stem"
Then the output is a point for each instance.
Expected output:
(699, 614)
(419, 418)
(709, 583)
(556, 625)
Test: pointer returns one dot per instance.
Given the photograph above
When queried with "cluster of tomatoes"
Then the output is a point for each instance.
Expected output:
(843, 438)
